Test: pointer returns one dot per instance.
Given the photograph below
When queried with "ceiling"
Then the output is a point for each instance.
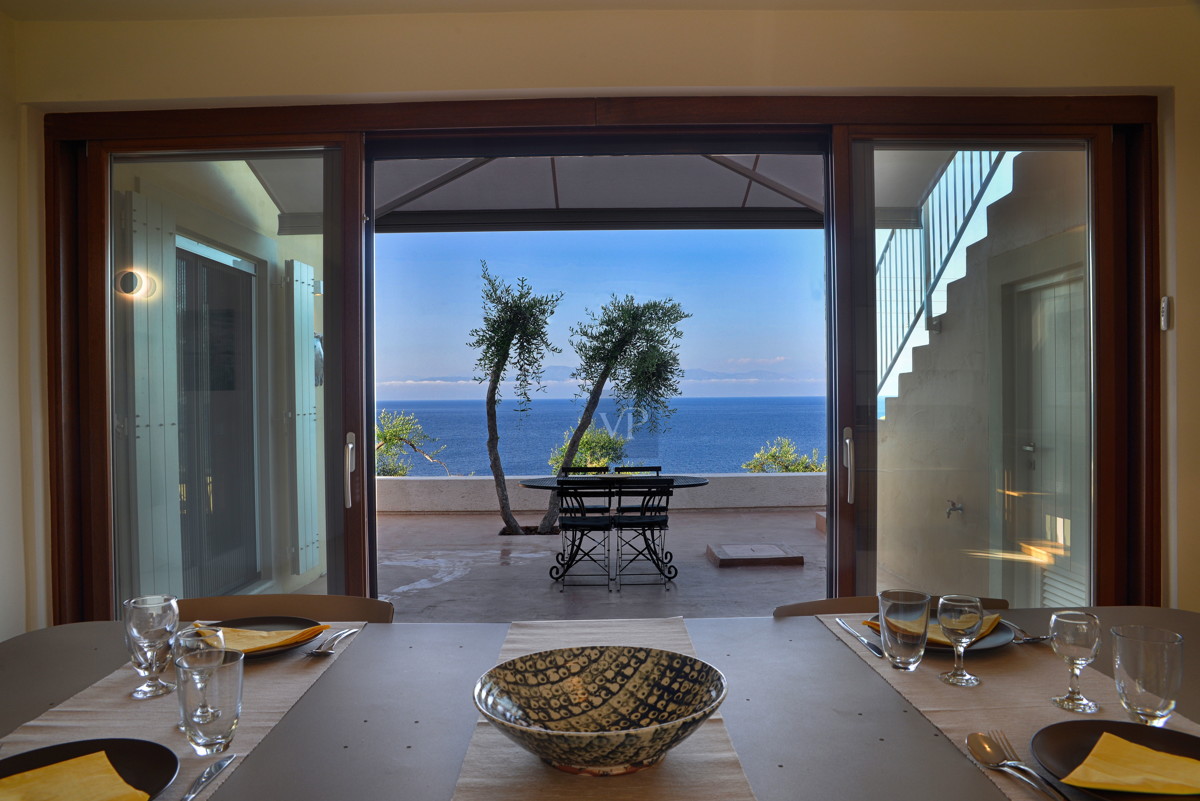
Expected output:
(63, 10)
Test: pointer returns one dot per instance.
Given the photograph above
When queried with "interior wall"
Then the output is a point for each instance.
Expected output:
(94, 65)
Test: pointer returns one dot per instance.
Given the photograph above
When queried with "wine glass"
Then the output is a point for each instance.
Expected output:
(1148, 668)
(188, 641)
(1075, 637)
(150, 622)
(960, 617)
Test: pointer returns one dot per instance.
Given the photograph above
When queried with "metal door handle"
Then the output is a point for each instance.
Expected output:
(349, 469)
(848, 460)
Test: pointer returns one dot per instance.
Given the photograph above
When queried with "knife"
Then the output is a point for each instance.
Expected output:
(208, 775)
(870, 646)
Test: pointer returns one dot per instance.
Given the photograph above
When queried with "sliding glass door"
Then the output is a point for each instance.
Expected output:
(978, 434)
(229, 454)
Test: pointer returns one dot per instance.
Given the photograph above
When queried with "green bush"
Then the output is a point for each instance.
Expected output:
(780, 456)
(597, 448)
(395, 431)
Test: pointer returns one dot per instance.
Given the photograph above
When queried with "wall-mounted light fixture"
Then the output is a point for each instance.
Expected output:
(135, 283)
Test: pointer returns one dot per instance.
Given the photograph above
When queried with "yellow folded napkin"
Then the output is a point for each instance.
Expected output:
(92, 777)
(249, 640)
(1117, 764)
(934, 631)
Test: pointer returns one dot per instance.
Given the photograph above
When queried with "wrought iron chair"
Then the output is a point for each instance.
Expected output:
(656, 469)
(586, 471)
(641, 531)
(584, 526)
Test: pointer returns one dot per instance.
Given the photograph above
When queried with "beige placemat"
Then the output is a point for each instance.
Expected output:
(1014, 696)
(701, 768)
(271, 686)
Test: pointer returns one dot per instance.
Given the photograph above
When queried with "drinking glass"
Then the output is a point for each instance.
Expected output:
(960, 617)
(1075, 637)
(1148, 668)
(903, 626)
(210, 697)
(189, 640)
(150, 621)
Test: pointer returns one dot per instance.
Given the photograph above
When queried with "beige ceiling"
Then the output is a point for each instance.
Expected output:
(221, 9)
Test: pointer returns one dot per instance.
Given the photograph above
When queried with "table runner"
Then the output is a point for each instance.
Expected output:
(702, 767)
(1014, 696)
(271, 685)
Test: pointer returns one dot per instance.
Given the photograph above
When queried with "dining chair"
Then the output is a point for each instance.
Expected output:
(860, 604)
(586, 471)
(641, 531)
(317, 607)
(656, 469)
(584, 525)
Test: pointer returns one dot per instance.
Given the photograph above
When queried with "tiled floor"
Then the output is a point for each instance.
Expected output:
(458, 568)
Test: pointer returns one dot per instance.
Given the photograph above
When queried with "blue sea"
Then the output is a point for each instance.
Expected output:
(705, 435)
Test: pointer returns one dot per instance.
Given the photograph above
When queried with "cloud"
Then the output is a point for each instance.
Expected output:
(750, 360)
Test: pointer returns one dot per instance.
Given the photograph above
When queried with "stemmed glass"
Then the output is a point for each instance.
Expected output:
(150, 622)
(189, 641)
(960, 617)
(1148, 668)
(1075, 637)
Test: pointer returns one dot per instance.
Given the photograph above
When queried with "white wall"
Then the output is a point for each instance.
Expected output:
(78, 66)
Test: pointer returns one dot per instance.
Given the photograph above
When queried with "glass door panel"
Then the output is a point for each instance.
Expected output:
(983, 362)
(226, 440)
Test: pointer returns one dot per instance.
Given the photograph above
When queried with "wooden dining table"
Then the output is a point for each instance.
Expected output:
(392, 717)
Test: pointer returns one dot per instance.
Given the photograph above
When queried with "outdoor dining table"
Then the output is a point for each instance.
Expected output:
(392, 717)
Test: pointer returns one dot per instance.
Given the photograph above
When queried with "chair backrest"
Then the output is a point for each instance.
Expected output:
(585, 471)
(860, 605)
(656, 469)
(317, 607)
(574, 495)
(644, 496)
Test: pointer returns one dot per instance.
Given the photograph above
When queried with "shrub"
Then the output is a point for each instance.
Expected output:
(780, 456)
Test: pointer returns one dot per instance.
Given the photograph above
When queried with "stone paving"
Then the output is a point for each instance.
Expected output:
(458, 568)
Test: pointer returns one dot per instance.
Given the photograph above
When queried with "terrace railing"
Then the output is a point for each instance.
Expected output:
(912, 261)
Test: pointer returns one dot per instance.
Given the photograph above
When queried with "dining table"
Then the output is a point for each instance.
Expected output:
(807, 712)
(551, 482)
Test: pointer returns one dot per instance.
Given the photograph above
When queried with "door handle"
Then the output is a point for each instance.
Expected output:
(349, 468)
(848, 460)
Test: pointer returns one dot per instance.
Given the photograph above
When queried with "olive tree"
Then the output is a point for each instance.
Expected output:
(513, 336)
(632, 349)
(395, 431)
(781, 456)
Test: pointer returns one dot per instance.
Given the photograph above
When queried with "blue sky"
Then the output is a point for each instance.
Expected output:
(757, 300)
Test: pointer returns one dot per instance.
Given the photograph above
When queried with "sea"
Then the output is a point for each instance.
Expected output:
(704, 435)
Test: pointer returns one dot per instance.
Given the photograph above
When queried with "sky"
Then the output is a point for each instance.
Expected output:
(757, 300)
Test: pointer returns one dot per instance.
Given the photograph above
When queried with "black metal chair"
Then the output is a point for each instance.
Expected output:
(656, 469)
(586, 471)
(584, 526)
(641, 531)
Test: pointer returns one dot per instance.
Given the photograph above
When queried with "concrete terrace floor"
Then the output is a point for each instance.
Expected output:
(457, 568)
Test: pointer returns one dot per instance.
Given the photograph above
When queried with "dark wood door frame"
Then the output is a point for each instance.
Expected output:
(1128, 423)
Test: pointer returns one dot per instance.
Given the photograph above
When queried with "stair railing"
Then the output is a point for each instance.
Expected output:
(912, 261)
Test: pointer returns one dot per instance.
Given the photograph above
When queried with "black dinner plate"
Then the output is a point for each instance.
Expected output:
(148, 766)
(999, 636)
(1061, 747)
(274, 623)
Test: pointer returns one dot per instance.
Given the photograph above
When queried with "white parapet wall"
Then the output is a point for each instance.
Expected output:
(431, 494)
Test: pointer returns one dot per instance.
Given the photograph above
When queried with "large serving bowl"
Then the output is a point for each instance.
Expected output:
(600, 710)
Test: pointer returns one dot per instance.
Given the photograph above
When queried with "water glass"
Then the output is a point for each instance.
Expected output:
(1075, 637)
(190, 640)
(210, 697)
(960, 617)
(903, 626)
(150, 623)
(1148, 668)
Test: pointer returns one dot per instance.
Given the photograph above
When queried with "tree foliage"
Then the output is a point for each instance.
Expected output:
(513, 337)
(396, 431)
(780, 456)
(631, 348)
(598, 447)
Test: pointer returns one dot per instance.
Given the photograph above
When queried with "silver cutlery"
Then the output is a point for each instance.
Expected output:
(327, 647)
(1020, 635)
(988, 751)
(208, 775)
(870, 646)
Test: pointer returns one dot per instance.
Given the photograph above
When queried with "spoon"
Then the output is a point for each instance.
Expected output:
(1022, 635)
(988, 753)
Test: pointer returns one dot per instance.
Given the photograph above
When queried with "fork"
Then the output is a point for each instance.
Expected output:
(1023, 636)
(326, 648)
(1013, 760)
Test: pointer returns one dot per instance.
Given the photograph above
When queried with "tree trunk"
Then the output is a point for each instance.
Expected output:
(493, 446)
(585, 420)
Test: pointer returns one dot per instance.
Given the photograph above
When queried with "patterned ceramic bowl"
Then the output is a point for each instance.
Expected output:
(600, 710)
